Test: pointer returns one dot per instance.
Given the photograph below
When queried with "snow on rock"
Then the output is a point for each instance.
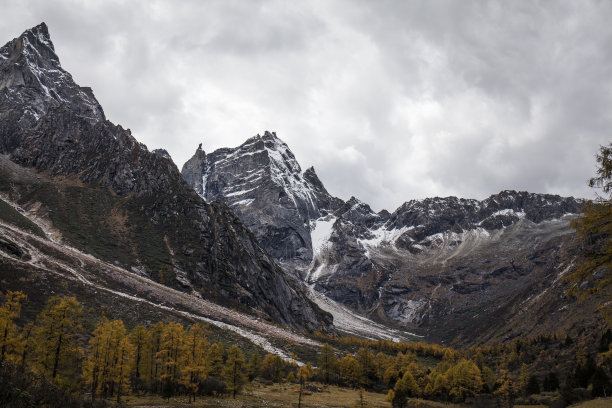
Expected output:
(320, 233)
(382, 236)
(352, 323)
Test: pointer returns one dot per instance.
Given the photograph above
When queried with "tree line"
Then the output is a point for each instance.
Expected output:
(167, 359)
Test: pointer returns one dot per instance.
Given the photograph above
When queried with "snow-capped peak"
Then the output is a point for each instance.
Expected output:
(33, 77)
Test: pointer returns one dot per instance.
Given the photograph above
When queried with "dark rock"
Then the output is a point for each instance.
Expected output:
(52, 125)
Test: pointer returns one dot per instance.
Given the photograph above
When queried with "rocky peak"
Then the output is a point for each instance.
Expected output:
(262, 181)
(162, 153)
(33, 81)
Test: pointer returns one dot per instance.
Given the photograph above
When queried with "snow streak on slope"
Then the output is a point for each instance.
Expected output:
(320, 234)
(382, 236)
(352, 323)
(97, 274)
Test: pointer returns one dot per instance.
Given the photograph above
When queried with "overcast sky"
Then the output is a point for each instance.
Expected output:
(388, 100)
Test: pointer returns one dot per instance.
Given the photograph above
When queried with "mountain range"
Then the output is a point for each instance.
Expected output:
(244, 239)
(436, 267)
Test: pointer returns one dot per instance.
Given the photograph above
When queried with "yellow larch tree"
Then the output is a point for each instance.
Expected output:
(168, 356)
(10, 339)
(55, 336)
(233, 371)
(193, 359)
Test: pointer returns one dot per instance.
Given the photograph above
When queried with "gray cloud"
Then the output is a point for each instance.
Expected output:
(389, 100)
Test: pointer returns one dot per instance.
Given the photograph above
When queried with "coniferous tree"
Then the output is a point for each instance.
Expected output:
(107, 367)
(365, 358)
(55, 336)
(140, 340)
(404, 388)
(350, 369)
(327, 364)
(172, 339)
(154, 347)
(600, 383)
(254, 365)
(10, 339)
(233, 371)
(304, 373)
(194, 358)
(272, 367)
(214, 360)
(123, 365)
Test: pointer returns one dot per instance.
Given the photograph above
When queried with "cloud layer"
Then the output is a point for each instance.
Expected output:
(389, 100)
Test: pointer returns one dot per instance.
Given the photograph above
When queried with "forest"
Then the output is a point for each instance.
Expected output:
(54, 362)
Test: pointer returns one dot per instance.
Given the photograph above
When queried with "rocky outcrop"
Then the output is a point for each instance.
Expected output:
(263, 183)
(106, 193)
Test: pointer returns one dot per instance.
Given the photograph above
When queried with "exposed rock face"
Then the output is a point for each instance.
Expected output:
(263, 183)
(428, 266)
(142, 205)
(442, 265)
(31, 81)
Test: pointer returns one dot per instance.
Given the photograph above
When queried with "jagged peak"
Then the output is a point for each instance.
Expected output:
(162, 153)
(310, 170)
(33, 44)
(41, 33)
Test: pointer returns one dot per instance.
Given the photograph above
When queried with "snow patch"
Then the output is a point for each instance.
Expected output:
(382, 236)
(320, 233)
(243, 203)
(350, 322)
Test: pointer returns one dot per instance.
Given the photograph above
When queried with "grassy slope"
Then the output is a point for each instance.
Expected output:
(11, 216)
(596, 403)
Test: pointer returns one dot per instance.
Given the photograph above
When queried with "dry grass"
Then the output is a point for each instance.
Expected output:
(596, 403)
(276, 395)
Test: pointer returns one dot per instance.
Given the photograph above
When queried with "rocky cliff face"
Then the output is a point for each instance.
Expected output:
(435, 266)
(106, 193)
(263, 183)
(439, 266)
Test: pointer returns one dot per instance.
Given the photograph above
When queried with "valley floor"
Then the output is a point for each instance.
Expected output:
(276, 395)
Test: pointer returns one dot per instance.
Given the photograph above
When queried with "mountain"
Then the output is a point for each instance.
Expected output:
(438, 266)
(263, 183)
(99, 190)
